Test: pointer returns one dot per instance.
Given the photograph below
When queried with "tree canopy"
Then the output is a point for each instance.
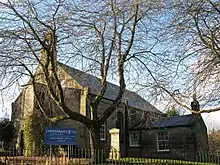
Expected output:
(159, 49)
(172, 112)
(195, 29)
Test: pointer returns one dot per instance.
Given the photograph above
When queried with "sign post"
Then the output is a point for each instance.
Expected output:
(60, 136)
(50, 152)
(68, 151)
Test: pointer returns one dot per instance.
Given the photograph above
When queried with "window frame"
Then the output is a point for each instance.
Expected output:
(103, 131)
(163, 140)
(50, 108)
(131, 141)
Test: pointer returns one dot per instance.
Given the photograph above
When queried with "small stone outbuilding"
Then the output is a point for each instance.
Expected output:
(177, 137)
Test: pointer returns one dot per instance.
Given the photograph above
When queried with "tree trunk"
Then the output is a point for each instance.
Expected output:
(97, 151)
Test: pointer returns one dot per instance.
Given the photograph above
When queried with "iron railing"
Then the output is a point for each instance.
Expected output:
(61, 156)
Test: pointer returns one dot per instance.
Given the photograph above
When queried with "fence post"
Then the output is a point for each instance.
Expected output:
(13, 155)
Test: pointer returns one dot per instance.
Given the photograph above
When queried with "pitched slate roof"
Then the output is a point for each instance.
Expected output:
(175, 121)
(166, 122)
(93, 83)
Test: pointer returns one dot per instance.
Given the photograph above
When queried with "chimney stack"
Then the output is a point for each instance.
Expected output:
(195, 104)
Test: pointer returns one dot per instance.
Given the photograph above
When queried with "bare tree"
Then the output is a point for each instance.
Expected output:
(193, 37)
(107, 35)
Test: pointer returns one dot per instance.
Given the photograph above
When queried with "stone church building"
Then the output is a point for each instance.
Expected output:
(79, 89)
(144, 130)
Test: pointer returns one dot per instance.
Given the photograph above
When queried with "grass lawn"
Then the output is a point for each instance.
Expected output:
(160, 161)
(145, 161)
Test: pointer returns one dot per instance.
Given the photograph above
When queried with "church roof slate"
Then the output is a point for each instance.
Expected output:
(93, 83)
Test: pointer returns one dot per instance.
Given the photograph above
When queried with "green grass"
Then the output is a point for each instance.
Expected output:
(146, 161)
(160, 161)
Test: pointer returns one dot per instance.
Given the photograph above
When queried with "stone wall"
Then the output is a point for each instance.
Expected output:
(22, 107)
(201, 135)
(16, 117)
(181, 143)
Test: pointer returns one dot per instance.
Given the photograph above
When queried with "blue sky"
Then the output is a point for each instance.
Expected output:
(211, 119)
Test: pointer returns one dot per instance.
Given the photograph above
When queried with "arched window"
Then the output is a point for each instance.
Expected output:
(41, 97)
(50, 108)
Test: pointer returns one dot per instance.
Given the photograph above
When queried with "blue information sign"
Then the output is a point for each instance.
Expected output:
(60, 136)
